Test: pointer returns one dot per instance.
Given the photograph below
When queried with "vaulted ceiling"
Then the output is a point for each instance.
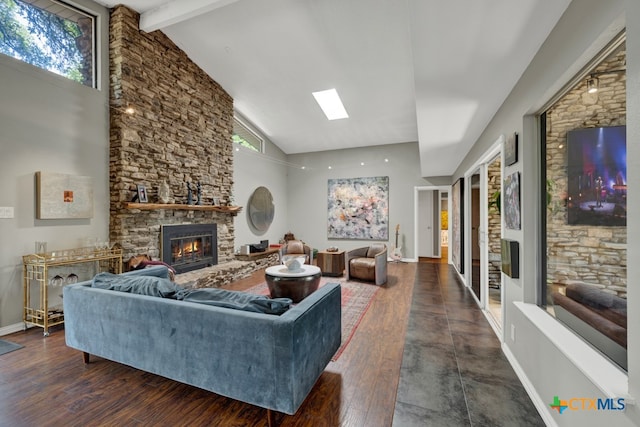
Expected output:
(432, 71)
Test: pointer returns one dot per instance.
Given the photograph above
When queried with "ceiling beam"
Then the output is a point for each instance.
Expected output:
(175, 11)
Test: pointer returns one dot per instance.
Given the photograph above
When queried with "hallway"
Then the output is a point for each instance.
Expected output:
(453, 370)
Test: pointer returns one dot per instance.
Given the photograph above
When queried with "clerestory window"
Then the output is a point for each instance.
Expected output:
(245, 137)
(51, 35)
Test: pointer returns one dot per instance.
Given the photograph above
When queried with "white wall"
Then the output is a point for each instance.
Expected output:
(250, 171)
(549, 357)
(48, 123)
(307, 188)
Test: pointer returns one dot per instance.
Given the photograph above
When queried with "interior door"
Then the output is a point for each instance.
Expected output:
(425, 224)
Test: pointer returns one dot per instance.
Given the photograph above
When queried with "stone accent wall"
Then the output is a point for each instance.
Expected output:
(180, 131)
(494, 175)
(592, 254)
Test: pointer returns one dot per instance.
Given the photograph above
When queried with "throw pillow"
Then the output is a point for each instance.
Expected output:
(142, 285)
(235, 300)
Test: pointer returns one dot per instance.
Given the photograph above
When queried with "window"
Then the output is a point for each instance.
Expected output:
(584, 208)
(50, 35)
(244, 136)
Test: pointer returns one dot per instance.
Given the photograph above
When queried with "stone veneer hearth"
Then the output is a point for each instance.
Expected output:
(180, 131)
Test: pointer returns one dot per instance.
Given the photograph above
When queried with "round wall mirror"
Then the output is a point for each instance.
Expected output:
(261, 209)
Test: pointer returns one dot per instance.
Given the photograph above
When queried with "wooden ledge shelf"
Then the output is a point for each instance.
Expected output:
(178, 207)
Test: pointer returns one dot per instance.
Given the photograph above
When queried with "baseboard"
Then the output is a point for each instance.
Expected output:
(540, 405)
(16, 327)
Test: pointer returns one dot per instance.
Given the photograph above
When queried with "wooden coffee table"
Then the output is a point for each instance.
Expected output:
(296, 284)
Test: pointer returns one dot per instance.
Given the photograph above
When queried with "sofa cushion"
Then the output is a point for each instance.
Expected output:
(143, 285)
(363, 268)
(235, 300)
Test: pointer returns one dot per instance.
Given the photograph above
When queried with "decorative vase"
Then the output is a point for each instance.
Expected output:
(164, 193)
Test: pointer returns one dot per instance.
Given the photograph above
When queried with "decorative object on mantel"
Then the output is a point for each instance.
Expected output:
(142, 194)
(63, 196)
(164, 192)
(199, 194)
(189, 194)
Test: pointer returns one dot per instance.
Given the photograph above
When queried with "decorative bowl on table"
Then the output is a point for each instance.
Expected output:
(294, 263)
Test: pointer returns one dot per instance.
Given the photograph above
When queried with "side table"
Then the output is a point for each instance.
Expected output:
(296, 284)
(331, 263)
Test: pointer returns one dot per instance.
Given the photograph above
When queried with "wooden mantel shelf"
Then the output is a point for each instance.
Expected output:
(174, 206)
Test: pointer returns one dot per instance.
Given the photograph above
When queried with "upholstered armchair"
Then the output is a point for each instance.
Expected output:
(296, 247)
(368, 263)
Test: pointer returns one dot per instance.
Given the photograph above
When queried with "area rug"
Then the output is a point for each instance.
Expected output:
(6, 346)
(356, 299)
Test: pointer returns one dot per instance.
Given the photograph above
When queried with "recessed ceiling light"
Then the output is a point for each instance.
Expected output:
(329, 167)
(303, 167)
(386, 160)
(361, 163)
(331, 104)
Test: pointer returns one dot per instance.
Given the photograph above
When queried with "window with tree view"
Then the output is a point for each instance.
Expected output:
(245, 137)
(50, 35)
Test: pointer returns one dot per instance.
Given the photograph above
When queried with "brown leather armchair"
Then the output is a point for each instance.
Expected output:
(296, 247)
(368, 263)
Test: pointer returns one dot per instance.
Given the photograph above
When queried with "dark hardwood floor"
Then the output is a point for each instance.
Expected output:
(47, 384)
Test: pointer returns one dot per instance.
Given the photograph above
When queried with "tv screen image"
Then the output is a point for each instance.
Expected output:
(597, 176)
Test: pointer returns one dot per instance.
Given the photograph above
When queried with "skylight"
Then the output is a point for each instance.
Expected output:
(331, 104)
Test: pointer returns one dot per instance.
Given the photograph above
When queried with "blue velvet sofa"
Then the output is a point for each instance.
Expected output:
(266, 360)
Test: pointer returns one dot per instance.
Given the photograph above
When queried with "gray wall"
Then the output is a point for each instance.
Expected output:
(48, 123)
(300, 195)
(543, 352)
(250, 171)
(307, 189)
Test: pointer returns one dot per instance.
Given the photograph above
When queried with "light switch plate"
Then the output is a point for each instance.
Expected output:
(6, 212)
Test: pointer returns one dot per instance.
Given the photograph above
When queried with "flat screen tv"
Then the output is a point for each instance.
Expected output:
(597, 176)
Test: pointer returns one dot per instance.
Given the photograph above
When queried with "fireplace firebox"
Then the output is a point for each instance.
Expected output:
(188, 247)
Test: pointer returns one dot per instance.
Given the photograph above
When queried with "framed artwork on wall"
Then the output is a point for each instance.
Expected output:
(63, 196)
(142, 194)
(512, 201)
(511, 149)
(510, 258)
(358, 208)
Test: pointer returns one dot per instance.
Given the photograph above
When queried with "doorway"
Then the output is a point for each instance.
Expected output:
(431, 222)
(483, 226)
(494, 233)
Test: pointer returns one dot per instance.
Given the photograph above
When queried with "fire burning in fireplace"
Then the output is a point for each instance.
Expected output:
(189, 246)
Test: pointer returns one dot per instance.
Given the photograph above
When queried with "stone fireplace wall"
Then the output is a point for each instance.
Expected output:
(178, 131)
